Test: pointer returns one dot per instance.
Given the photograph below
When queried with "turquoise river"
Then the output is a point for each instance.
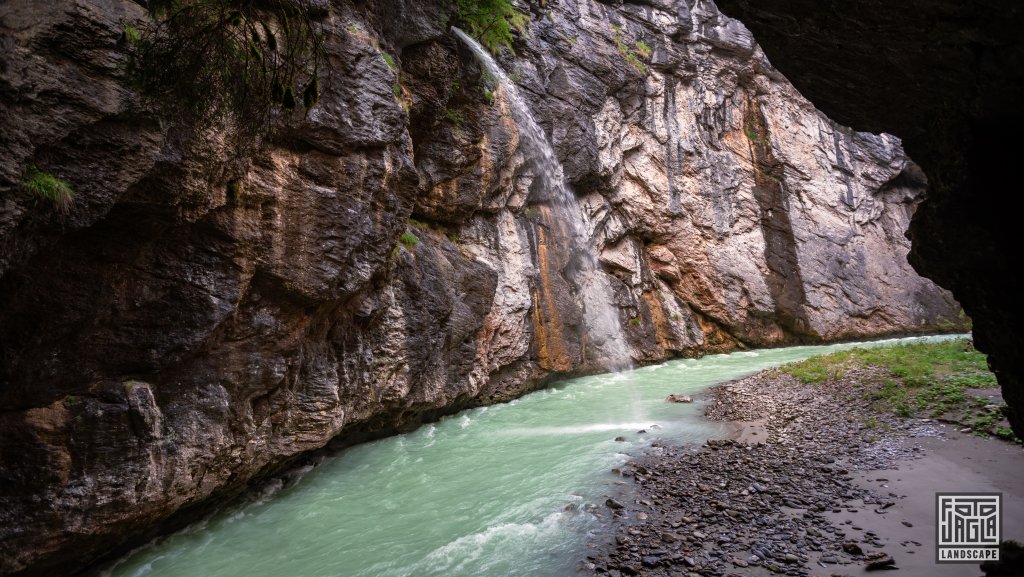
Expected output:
(480, 493)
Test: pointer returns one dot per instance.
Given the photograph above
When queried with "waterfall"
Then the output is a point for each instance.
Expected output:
(604, 331)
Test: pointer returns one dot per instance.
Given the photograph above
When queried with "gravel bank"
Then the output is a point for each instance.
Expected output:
(766, 501)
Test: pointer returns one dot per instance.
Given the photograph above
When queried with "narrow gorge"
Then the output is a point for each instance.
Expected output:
(199, 318)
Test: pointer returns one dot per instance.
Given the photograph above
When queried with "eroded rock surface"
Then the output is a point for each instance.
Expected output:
(946, 77)
(200, 320)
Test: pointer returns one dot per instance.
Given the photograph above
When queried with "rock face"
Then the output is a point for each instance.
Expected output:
(198, 321)
(946, 77)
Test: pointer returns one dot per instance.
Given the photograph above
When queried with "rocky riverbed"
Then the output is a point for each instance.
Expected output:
(796, 491)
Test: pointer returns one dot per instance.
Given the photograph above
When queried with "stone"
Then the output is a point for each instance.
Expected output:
(650, 561)
(613, 504)
(880, 563)
(853, 549)
(678, 399)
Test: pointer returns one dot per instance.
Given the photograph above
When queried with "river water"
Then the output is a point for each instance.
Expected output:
(480, 493)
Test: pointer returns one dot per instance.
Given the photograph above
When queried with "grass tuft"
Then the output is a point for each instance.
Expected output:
(643, 49)
(49, 187)
(408, 239)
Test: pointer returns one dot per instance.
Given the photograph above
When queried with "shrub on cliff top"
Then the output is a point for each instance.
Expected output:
(246, 61)
(491, 22)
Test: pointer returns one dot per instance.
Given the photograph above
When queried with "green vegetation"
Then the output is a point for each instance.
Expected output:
(454, 116)
(643, 49)
(531, 213)
(492, 22)
(397, 89)
(49, 187)
(408, 239)
(488, 95)
(915, 380)
(629, 55)
(389, 60)
(131, 34)
(751, 135)
(917, 365)
(248, 62)
(962, 323)
(635, 321)
(1004, 433)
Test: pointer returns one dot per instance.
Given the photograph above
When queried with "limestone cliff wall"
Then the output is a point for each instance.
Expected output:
(171, 340)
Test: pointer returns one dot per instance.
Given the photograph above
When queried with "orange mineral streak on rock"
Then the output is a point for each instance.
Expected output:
(716, 340)
(49, 426)
(662, 330)
(547, 323)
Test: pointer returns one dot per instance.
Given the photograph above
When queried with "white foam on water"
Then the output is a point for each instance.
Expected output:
(457, 555)
(572, 429)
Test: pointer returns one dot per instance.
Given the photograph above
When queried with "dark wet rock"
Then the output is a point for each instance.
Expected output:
(650, 561)
(613, 504)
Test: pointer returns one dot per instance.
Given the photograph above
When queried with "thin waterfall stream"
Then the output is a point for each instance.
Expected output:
(604, 329)
(506, 490)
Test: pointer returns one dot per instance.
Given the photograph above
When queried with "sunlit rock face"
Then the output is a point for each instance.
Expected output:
(198, 321)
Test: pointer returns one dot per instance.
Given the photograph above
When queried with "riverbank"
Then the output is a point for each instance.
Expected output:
(815, 481)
